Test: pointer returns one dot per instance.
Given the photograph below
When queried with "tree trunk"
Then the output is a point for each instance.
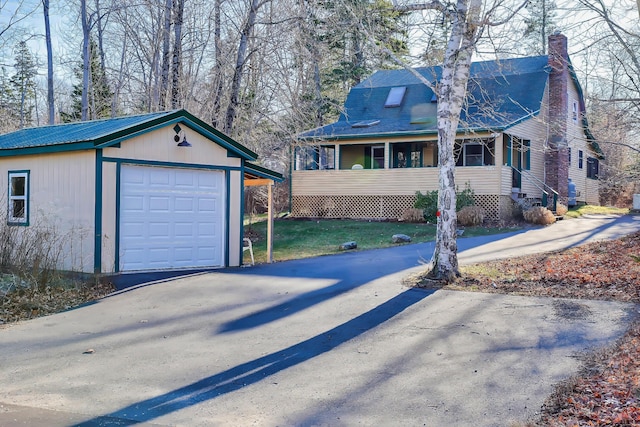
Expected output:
(84, 109)
(451, 93)
(50, 98)
(166, 46)
(218, 73)
(240, 62)
(177, 55)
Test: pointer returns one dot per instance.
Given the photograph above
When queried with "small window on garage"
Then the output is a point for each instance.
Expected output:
(18, 192)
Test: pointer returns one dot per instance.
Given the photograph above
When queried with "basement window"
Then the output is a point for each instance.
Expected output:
(394, 99)
(18, 191)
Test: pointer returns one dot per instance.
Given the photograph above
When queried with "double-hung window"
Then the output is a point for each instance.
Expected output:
(18, 192)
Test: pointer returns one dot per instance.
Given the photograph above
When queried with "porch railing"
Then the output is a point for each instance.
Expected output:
(540, 185)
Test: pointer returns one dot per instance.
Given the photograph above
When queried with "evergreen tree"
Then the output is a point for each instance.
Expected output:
(344, 27)
(539, 24)
(9, 117)
(99, 95)
(23, 83)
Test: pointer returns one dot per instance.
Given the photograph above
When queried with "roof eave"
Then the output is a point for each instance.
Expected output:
(178, 116)
(262, 172)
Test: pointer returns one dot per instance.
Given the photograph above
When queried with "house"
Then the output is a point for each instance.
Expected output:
(147, 192)
(523, 134)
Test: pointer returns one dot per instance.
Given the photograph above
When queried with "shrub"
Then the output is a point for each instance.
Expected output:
(561, 209)
(465, 197)
(539, 215)
(469, 216)
(429, 202)
(412, 215)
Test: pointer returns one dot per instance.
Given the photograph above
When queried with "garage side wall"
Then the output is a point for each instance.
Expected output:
(60, 204)
(158, 148)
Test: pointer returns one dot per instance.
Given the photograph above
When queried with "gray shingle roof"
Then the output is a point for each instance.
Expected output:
(500, 93)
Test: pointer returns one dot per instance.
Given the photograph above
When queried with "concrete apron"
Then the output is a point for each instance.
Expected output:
(293, 349)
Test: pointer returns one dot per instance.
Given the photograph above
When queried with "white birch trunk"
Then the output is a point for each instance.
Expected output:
(451, 91)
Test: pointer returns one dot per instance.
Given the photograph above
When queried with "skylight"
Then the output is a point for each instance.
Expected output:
(365, 124)
(394, 99)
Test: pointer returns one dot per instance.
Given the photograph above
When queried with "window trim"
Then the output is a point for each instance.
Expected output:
(593, 168)
(24, 219)
(580, 159)
(374, 159)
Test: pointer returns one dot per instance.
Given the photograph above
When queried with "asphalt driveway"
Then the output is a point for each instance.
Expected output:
(335, 341)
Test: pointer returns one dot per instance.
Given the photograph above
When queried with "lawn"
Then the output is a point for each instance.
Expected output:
(303, 238)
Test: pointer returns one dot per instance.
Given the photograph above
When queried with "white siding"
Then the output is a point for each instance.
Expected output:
(61, 197)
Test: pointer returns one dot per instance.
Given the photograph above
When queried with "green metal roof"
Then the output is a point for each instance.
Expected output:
(104, 133)
(262, 172)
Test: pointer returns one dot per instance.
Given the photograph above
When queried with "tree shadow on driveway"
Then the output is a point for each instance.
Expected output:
(256, 370)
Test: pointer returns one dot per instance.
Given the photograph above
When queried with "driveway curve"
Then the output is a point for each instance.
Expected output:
(335, 341)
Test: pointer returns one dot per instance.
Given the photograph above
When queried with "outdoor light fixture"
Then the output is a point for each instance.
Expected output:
(184, 143)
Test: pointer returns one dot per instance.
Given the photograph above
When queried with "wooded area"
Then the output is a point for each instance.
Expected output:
(264, 70)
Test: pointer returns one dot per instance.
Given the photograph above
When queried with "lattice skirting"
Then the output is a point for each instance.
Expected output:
(381, 207)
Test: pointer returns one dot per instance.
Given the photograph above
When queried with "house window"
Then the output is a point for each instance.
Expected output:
(314, 158)
(574, 112)
(377, 157)
(394, 99)
(592, 168)
(475, 152)
(408, 155)
(580, 156)
(18, 198)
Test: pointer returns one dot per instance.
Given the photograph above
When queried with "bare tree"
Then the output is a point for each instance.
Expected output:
(50, 94)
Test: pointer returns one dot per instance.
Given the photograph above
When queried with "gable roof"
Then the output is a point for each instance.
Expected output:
(500, 93)
(108, 132)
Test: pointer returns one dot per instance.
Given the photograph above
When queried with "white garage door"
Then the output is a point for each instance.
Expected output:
(171, 218)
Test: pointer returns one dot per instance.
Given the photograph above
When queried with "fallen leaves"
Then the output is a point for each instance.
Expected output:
(28, 302)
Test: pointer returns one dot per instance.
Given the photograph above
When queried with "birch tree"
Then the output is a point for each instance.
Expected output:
(467, 20)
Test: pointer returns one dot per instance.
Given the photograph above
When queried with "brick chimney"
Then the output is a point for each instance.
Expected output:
(557, 153)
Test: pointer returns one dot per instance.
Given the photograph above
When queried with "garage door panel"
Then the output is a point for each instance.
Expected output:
(132, 203)
(184, 204)
(170, 218)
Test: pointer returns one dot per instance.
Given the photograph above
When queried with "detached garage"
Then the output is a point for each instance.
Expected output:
(140, 193)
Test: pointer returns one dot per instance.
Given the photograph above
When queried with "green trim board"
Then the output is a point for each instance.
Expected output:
(97, 215)
(116, 255)
(242, 189)
(262, 172)
(227, 212)
(168, 164)
(48, 149)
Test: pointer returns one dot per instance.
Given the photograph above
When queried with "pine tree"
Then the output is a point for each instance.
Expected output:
(99, 95)
(9, 117)
(23, 83)
(539, 24)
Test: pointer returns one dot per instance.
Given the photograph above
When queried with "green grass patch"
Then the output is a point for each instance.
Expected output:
(298, 238)
(595, 210)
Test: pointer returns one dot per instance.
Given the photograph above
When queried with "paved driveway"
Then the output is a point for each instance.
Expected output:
(335, 341)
